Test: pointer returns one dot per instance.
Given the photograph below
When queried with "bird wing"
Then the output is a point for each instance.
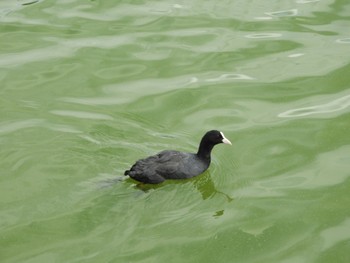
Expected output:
(171, 164)
(164, 165)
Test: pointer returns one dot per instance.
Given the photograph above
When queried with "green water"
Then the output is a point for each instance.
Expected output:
(88, 87)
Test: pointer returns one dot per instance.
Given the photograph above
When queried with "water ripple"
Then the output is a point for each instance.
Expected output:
(283, 13)
(30, 2)
(140, 88)
(343, 40)
(82, 114)
(125, 70)
(229, 77)
(62, 128)
(63, 48)
(95, 101)
(333, 106)
(336, 234)
(306, 1)
(296, 55)
(316, 175)
(18, 125)
(264, 35)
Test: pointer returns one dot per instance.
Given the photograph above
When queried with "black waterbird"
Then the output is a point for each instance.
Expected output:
(171, 164)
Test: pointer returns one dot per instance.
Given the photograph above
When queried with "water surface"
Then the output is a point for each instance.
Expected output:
(88, 87)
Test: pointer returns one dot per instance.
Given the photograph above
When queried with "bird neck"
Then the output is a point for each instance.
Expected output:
(204, 150)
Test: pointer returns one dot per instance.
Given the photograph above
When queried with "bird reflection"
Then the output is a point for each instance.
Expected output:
(204, 184)
(206, 187)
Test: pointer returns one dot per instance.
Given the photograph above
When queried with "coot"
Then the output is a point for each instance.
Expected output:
(176, 165)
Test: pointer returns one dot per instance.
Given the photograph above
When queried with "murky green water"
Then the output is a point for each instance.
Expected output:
(88, 87)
